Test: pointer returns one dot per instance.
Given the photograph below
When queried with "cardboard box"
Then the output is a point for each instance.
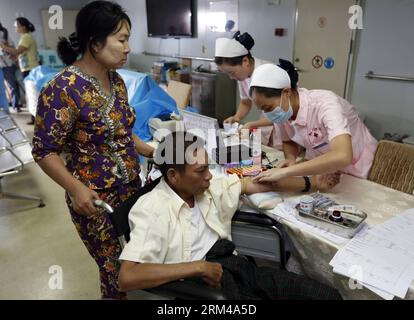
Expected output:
(180, 92)
(180, 77)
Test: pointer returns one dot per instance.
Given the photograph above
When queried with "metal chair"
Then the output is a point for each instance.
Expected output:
(255, 235)
(3, 113)
(15, 154)
(7, 123)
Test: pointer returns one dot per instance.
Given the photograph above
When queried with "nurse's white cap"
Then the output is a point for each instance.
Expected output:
(270, 76)
(229, 48)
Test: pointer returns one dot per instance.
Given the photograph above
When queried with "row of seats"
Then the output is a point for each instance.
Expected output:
(15, 154)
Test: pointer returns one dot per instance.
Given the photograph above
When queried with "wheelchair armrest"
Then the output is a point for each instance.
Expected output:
(188, 290)
(254, 218)
(262, 220)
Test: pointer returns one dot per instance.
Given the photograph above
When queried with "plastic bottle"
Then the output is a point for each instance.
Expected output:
(257, 147)
(244, 137)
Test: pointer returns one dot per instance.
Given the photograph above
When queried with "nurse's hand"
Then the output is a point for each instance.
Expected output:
(325, 182)
(248, 126)
(286, 163)
(272, 175)
(232, 119)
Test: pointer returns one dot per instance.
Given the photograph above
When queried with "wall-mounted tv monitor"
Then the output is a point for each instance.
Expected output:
(170, 18)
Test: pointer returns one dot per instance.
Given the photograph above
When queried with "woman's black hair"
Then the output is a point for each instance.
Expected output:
(246, 41)
(5, 33)
(94, 23)
(26, 23)
(271, 92)
(292, 72)
(267, 92)
(236, 61)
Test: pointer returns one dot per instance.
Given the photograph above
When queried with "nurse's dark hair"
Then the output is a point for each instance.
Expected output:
(293, 75)
(94, 23)
(26, 23)
(175, 142)
(247, 41)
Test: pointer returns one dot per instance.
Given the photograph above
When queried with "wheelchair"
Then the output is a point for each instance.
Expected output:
(255, 235)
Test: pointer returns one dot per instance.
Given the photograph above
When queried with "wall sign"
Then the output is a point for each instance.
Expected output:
(329, 63)
(322, 22)
(317, 62)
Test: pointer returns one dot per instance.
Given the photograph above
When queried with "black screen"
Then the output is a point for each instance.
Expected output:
(170, 18)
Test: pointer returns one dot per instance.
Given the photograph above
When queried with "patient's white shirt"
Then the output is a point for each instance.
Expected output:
(203, 237)
(161, 221)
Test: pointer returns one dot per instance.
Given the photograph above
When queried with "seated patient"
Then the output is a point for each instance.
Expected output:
(182, 229)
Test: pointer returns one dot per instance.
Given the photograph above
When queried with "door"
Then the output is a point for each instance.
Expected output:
(52, 36)
(322, 44)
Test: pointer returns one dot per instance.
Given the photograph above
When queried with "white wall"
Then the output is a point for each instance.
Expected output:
(386, 47)
(255, 16)
(31, 9)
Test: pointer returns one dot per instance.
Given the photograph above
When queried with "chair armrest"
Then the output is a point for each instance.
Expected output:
(8, 173)
(188, 290)
(254, 218)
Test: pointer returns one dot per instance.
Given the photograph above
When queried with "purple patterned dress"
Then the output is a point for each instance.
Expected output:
(93, 132)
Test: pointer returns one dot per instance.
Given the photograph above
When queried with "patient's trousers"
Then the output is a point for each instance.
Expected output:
(99, 237)
(243, 280)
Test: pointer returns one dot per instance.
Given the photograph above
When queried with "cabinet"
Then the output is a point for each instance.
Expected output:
(213, 94)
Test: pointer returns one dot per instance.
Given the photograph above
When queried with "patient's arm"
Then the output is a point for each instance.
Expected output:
(291, 184)
(137, 276)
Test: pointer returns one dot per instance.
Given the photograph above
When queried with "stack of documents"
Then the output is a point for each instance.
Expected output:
(381, 258)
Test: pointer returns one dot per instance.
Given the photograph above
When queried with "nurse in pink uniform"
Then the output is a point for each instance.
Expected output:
(233, 57)
(326, 125)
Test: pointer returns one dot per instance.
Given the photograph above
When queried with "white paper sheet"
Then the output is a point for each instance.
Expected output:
(384, 256)
(383, 294)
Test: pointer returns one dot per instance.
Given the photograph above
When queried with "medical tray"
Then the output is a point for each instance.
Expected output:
(352, 218)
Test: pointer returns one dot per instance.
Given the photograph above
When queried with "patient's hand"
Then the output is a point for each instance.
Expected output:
(212, 273)
(325, 182)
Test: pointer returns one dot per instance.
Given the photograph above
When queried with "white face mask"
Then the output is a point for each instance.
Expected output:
(278, 115)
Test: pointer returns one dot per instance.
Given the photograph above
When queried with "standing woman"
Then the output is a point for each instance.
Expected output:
(326, 125)
(83, 113)
(8, 66)
(26, 50)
